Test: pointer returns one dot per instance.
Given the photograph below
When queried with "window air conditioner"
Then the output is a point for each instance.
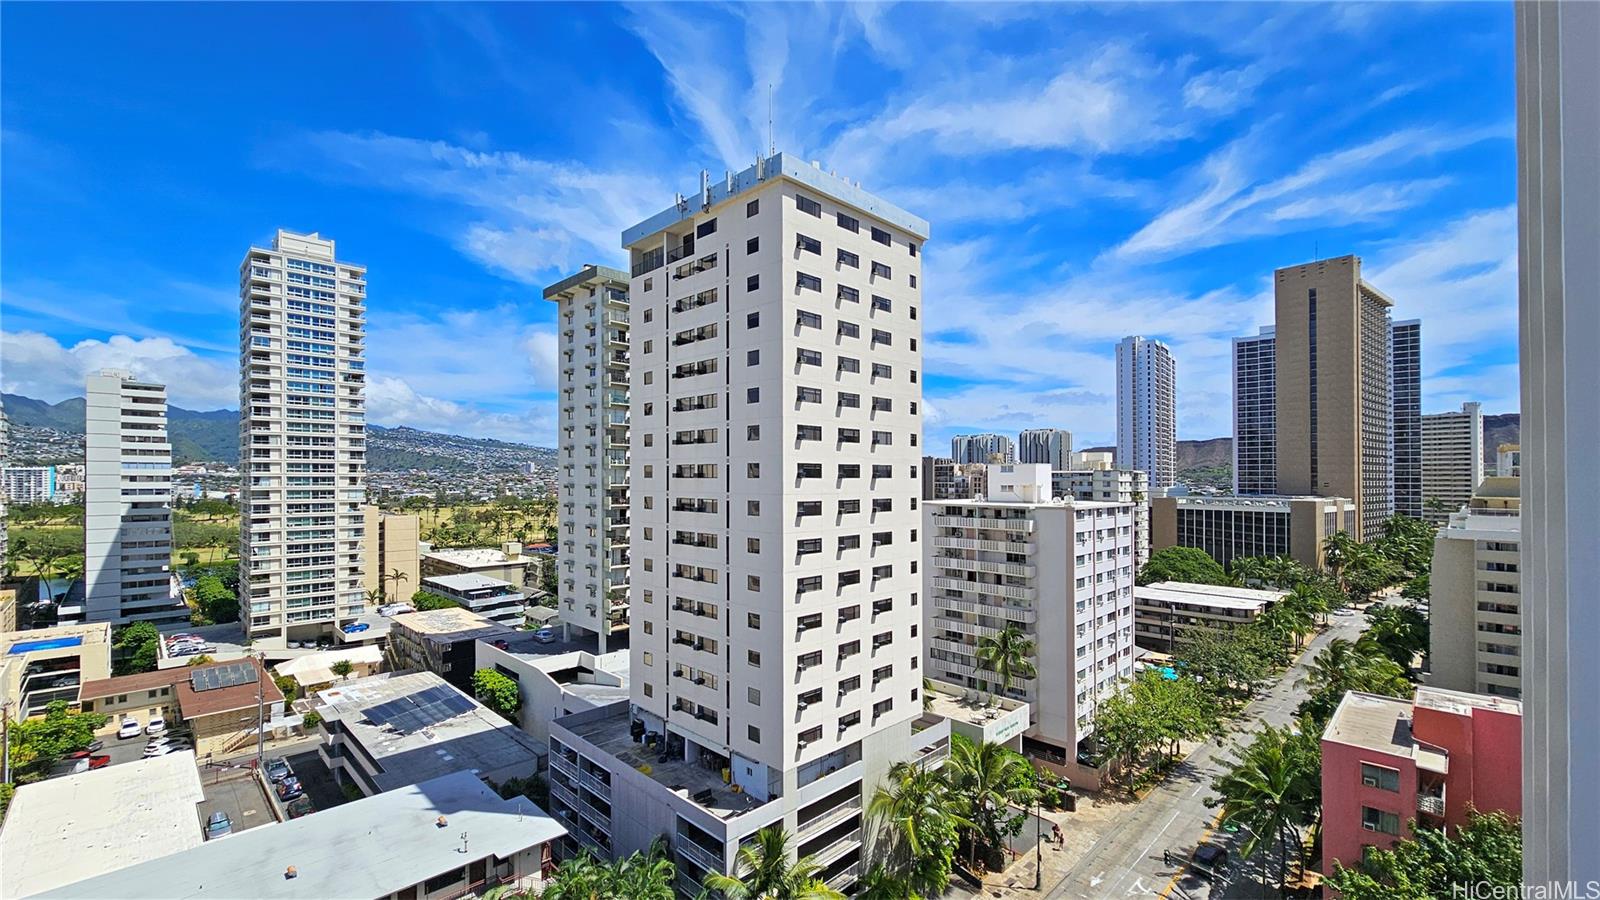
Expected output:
(1368, 826)
(1369, 781)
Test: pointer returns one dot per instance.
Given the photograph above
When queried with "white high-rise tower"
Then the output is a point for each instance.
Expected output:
(775, 421)
(127, 503)
(1147, 423)
(302, 439)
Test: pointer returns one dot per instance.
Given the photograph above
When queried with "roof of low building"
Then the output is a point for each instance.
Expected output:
(466, 581)
(1212, 595)
(80, 826)
(453, 620)
(418, 726)
(1372, 721)
(372, 847)
(192, 703)
(475, 557)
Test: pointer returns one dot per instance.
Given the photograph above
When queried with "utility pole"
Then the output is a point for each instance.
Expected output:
(5, 737)
(1038, 842)
(261, 727)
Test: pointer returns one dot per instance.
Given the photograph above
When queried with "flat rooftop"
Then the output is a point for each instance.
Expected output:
(467, 581)
(609, 733)
(1372, 721)
(372, 847)
(474, 557)
(454, 620)
(1254, 501)
(1055, 503)
(977, 712)
(67, 829)
(1214, 596)
(61, 637)
(1462, 703)
(777, 166)
(418, 726)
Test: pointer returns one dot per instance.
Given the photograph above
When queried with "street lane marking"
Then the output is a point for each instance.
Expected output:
(1204, 836)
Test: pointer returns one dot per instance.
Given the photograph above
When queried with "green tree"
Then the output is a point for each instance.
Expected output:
(497, 692)
(1186, 564)
(312, 720)
(1431, 863)
(425, 600)
(1418, 589)
(1399, 632)
(1009, 655)
(986, 778)
(647, 875)
(1342, 667)
(204, 659)
(1336, 550)
(396, 577)
(289, 687)
(918, 809)
(1272, 789)
(214, 601)
(136, 647)
(39, 743)
(342, 668)
(1231, 662)
(764, 872)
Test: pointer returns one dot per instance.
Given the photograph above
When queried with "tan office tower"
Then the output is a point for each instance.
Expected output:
(1335, 428)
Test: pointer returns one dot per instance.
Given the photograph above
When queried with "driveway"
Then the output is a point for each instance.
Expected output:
(237, 793)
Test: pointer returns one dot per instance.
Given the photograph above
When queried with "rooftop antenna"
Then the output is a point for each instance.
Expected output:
(772, 145)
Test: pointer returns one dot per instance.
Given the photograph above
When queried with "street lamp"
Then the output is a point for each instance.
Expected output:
(1038, 840)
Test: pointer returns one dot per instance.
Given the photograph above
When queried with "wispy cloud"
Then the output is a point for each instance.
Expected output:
(37, 365)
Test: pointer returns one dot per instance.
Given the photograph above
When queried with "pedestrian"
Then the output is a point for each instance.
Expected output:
(1055, 834)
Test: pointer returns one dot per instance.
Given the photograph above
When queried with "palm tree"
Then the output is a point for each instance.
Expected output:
(983, 773)
(647, 876)
(1248, 570)
(375, 597)
(765, 872)
(1009, 655)
(919, 809)
(397, 576)
(1272, 789)
(1336, 549)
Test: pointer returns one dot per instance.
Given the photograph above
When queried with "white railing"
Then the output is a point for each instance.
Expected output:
(955, 543)
(1014, 592)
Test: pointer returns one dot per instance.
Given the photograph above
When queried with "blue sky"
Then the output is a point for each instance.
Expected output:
(1089, 172)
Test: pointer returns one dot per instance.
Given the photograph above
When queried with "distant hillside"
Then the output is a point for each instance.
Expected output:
(1505, 428)
(213, 436)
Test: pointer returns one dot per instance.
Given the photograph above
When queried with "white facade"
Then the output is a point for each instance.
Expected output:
(29, 484)
(592, 555)
(302, 438)
(1475, 600)
(1051, 446)
(1061, 571)
(1113, 486)
(774, 475)
(982, 448)
(1508, 461)
(1452, 459)
(1255, 398)
(1147, 421)
(128, 503)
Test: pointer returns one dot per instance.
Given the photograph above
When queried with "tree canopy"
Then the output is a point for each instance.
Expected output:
(39, 743)
(1487, 850)
(1185, 564)
(497, 692)
(424, 600)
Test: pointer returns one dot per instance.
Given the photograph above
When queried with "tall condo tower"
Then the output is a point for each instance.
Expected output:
(595, 361)
(302, 438)
(1147, 420)
(982, 448)
(1405, 374)
(776, 417)
(1452, 460)
(127, 532)
(1335, 415)
(1255, 414)
(1050, 446)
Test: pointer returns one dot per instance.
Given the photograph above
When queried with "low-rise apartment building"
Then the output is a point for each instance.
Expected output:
(1387, 761)
(446, 837)
(223, 703)
(389, 731)
(505, 563)
(1166, 612)
(442, 641)
(495, 600)
(1060, 571)
(1228, 528)
(392, 563)
(1475, 594)
(553, 685)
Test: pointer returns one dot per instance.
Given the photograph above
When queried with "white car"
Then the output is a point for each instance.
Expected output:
(128, 729)
(157, 726)
(164, 750)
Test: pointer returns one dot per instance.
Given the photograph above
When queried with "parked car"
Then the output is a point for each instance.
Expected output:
(277, 769)
(157, 726)
(355, 627)
(1213, 858)
(299, 807)
(545, 636)
(183, 637)
(218, 825)
(69, 767)
(129, 728)
(96, 761)
(290, 789)
(174, 744)
(395, 609)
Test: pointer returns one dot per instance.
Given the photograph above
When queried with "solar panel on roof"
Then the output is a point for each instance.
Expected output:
(211, 678)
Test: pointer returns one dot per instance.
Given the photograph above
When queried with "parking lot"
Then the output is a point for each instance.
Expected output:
(234, 791)
(316, 779)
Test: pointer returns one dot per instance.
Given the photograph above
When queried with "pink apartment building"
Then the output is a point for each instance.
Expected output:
(1387, 761)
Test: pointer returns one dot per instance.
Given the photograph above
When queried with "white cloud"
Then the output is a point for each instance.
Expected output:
(38, 366)
(393, 402)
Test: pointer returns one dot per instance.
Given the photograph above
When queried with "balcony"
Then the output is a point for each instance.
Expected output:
(954, 543)
(1009, 591)
(1024, 526)
(845, 878)
(961, 563)
(700, 856)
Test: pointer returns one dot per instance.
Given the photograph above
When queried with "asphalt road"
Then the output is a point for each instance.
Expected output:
(1127, 861)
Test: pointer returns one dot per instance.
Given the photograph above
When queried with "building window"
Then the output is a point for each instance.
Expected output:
(752, 432)
(649, 689)
(1380, 777)
(808, 357)
(1380, 821)
(849, 330)
(913, 281)
(752, 508)
(850, 294)
(705, 228)
(881, 303)
(849, 401)
(752, 320)
(849, 223)
(752, 470)
(752, 583)
(805, 282)
(751, 208)
(753, 283)
(807, 244)
(808, 319)
(648, 283)
(752, 357)
(881, 236)
(753, 620)
(752, 395)
(879, 270)
(753, 696)
(846, 258)
(753, 658)
(912, 248)
(881, 337)
(848, 364)
(752, 245)
(808, 206)
(808, 395)
(849, 435)
(753, 733)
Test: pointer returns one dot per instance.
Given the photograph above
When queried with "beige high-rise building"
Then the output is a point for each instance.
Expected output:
(1334, 416)
(1452, 460)
(1475, 601)
(393, 545)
